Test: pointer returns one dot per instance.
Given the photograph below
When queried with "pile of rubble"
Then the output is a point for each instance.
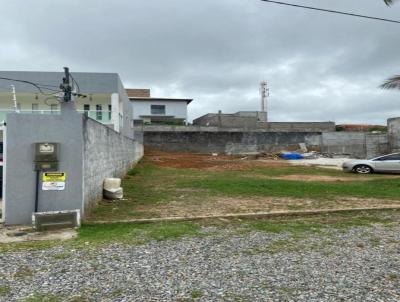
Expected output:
(301, 153)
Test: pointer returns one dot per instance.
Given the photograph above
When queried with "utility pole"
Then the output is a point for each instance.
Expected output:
(65, 86)
(67, 103)
(264, 91)
(14, 98)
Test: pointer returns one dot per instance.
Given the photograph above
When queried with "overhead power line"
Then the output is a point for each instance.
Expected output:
(331, 11)
(42, 87)
(76, 83)
(39, 87)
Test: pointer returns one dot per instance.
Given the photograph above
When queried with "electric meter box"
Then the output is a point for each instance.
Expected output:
(46, 156)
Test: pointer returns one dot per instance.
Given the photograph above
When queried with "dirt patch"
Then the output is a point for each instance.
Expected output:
(207, 161)
(8, 235)
(221, 206)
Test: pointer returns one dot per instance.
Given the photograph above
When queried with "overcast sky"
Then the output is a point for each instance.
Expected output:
(319, 66)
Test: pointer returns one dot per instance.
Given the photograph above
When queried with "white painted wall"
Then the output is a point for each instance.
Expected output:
(178, 109)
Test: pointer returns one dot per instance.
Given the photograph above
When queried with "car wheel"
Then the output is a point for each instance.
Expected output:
(363, 169)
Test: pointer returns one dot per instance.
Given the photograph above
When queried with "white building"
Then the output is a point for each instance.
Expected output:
(106, 100)
(151, 110)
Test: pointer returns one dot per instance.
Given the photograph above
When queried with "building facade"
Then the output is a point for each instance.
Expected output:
(257, 120)
(151, 110)
(106, 100)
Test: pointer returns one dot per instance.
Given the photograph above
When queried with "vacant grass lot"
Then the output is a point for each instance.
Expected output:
(165, 185)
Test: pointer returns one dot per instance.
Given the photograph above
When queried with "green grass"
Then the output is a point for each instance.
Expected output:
(62, 256)
(94, 235)
(4, 290)
(39, 297)
(295, 227)
(29, 245)
(310, 170)
(23, 272)
(316, 224)
(149, 186)
(242, 187)
(196, 294)
(97, 235)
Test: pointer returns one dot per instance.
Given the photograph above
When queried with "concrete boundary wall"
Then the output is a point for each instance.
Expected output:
(394, 134)
(262, 127)
(89, 152)
(356, 144)
(253, 120)
(106, 154)
(229, 142)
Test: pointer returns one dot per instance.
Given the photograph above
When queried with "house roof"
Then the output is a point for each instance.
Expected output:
(188, 101)
(89, 82)
(139, 93)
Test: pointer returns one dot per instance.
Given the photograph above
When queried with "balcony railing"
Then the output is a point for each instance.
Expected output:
(100, 116)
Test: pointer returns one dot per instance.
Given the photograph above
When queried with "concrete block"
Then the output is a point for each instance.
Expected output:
(56, 220)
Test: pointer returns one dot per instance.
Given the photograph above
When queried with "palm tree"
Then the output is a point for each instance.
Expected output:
(388, 2)
(393, 82)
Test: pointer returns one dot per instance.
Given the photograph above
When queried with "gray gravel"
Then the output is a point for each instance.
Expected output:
(360, 264)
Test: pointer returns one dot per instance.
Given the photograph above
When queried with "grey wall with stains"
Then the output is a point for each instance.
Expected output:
(229, 142)
(106, 154)
(356, 144)
(23, 130)
(89, 152)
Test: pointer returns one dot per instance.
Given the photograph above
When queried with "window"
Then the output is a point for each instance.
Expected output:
(35, 107)
(158, 109)
(99, 112)
(53, 108)
(389, 157)
(86, 109)
(109, 111)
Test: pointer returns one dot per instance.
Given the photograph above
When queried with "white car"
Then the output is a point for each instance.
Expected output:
(387, 163)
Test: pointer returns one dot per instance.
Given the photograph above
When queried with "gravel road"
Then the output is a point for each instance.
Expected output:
(359, 264)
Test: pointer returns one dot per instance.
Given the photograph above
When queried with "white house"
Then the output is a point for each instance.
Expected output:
(106, 100)
(151, 110)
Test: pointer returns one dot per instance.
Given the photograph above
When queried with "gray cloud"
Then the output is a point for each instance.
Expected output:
(319, 66)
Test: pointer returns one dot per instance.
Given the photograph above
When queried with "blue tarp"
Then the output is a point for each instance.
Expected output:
(291, 156)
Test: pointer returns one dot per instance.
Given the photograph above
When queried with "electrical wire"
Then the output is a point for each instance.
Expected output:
(76, 83)
(42, 87)
(38, 86)
(331, 11)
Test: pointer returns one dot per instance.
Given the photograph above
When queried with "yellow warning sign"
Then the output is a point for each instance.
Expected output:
(54, 176)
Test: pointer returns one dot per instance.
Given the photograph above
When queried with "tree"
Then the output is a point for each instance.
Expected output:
(393, 82)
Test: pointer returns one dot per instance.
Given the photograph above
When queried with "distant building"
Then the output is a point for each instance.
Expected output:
(241, 119)
(153, 110)
(106, 100)
(257, 120)
(361, 128)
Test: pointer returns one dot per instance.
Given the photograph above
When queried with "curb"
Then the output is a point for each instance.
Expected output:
(245, 215)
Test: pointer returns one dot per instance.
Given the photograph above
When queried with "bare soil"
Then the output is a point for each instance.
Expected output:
(208, 162)
(221, 206)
